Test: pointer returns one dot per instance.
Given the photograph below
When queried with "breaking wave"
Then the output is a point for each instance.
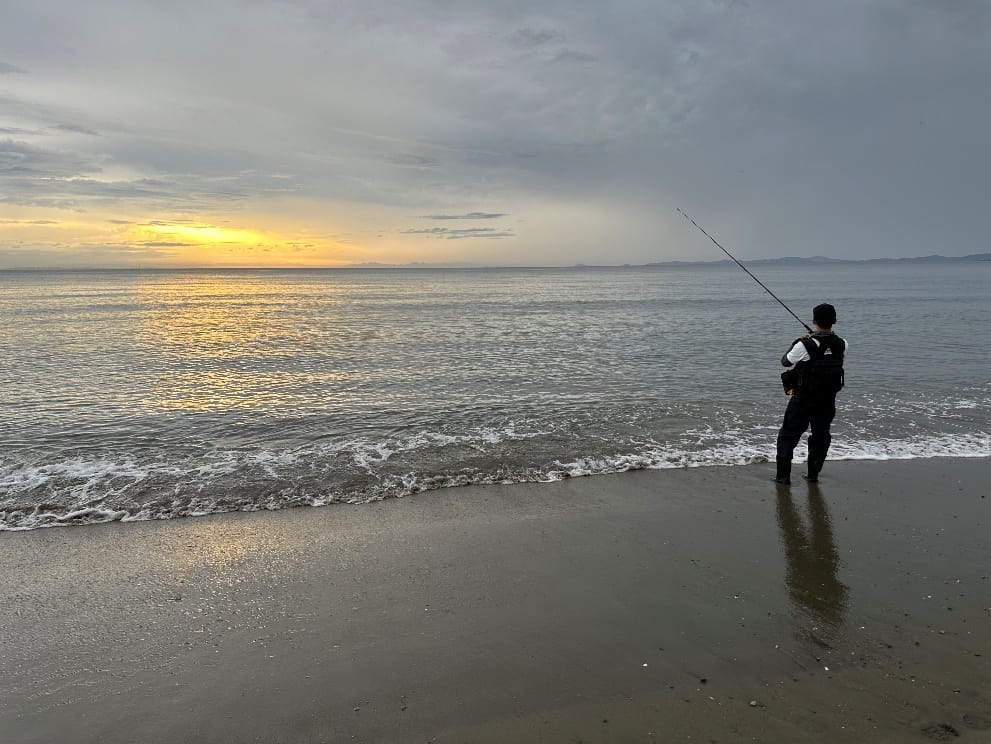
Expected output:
(129, 487)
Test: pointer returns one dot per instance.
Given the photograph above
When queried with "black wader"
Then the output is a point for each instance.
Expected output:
(813, 404)
(799, 415)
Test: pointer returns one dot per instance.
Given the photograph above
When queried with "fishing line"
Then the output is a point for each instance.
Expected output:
(683, 214)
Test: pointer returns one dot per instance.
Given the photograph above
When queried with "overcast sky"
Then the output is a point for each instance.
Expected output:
(249, 132)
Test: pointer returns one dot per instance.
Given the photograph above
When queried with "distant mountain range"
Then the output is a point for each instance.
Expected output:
(818, 260)
(783, 261)
(415, 265)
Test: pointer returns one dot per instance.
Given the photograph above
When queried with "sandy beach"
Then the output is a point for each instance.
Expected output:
(704, 604)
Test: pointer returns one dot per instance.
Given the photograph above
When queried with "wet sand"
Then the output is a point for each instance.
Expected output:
(690, 605)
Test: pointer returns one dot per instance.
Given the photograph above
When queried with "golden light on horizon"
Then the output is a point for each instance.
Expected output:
(291, 235)
(205, 234)
(203, 243)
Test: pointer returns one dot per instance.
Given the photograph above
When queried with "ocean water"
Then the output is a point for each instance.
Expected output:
(129, 395)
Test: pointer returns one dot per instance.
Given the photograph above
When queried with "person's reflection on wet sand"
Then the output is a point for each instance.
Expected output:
(812, 562)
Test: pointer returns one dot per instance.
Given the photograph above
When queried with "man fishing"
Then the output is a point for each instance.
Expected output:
(815, 377)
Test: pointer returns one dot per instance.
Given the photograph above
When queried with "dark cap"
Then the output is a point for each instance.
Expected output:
(824, 315)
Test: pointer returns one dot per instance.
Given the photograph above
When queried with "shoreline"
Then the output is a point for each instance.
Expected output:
(88, 515)
(647, 605)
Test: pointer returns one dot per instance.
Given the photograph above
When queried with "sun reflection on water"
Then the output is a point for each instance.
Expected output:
(236, 341)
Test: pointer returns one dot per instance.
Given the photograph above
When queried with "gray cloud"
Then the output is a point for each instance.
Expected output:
(464, 234)
(452, 234)
(468, 216)
(41, 176)
(570, 55)
(77, 128)
(529, 38)
(20, 159)
(86, 255)
(8, 69)
(68, 205)
(418, 161)
(843, 129)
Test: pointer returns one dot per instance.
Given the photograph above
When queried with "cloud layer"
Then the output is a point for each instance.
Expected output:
(553, 132)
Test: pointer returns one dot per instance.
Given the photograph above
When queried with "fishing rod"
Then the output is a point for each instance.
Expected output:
(683, 214)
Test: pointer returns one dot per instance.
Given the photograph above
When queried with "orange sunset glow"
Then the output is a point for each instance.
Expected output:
(214, 244)
(288, 234)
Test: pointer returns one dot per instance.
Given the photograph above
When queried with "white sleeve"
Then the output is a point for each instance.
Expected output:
(799, 353)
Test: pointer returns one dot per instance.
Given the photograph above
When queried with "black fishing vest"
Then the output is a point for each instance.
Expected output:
(821, 377)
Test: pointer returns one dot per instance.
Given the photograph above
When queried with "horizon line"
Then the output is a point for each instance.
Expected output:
(819, 260)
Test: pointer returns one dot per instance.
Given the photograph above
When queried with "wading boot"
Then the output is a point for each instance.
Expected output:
(783, 475)
(815, 465)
